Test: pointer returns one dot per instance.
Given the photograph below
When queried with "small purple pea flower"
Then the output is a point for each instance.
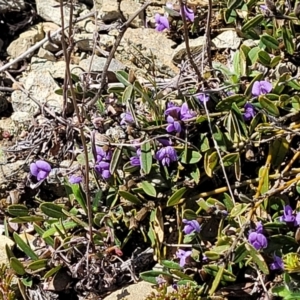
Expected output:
(257, 239)
(289, 217)
(160, 280)
(189, 13)
(40, 169)
(191, 226)
(261, 88)
(166, 155)
(249, 112)
(75, 179)
(186, 113)
(103, 155)
(135, 161)
(126, 118)
(173, 125)
(103, 169)
(277, 263)
(203, 98)
(162, 22)
(183, 255)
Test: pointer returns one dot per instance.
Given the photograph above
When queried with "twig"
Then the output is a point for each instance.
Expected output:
(123, 29)
(186, 40)
(40, 44)
(80, 121)
(208, 33)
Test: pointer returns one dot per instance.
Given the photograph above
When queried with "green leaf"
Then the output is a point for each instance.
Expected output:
(52, 210)
(189, 214)
(76, 190)
(146, 157)
(257, 258)
(213, 270)
(264, 58)
(211, 160)
(52, 271)
(240, 253)
(216, 281)
(275, 61)
(269, 41)
(18, 210)
(281, 291)
(269, 106)
(227, 102)
(171, 264)
(115, 159)
(191, 157)
(280, 84)
(130, 197)
(228, 202)
(40, 232)
(17, 266)
(253, 54)
(24, 247)
(230, 159)
(252, 23)
(38, 264)
(127, 94)
(288, 40)
(27, 219)
(148, 188)
(150, 276)
(122, 76)
(52, 230)
(233, 4)
(211, 255)
(238, 209)
(176, 197)
(279, 149)
(230, 16)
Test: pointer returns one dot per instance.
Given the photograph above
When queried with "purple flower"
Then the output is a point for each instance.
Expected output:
(257, 239)
(173, 125)
(277, 263)
(75, 179)
(102, 168)
(135, 161)
(289, 217)
(186, 113)
(169, 5)
(166, 155)
(189, 13)
(126, 118)
(103, 155)
(261, 88)
(264, 8)
(160, 280)
(183, 255)
(203, 98)
(191, 226)
(40, 169)
(162, 22)
(249, 112)
(172, 110)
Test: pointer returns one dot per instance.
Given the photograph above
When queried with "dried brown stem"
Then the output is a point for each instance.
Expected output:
(186, 40)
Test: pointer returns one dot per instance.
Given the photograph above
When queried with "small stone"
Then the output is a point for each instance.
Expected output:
(227, 39)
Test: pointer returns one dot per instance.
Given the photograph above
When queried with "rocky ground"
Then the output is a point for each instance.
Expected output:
(37, 121)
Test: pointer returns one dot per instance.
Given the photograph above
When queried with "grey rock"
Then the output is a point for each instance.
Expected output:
(196, 45)
(49, 10)
(55, 68)
(137, 291)
(25, 41)
(98, 65)
(21, 117)
(153, 45)
(109, 10)
(85, 41)
(45, 54)
(251, 43)
(285, 67)
(227, 39)
(41, 86)
(15, 5)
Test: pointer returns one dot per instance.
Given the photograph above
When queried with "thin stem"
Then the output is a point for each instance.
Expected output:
(80, 121)
(186, 40)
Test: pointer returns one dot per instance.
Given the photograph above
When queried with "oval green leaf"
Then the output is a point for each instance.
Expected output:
(148, 188)
(176, 197)
(130, 197)
(52, 210)
(269, 106)
(18, 210)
